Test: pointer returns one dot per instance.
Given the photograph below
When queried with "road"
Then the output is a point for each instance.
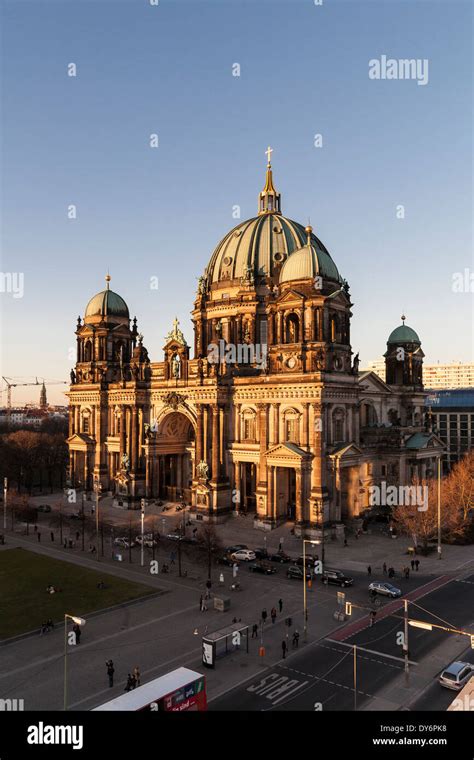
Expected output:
(322, 676)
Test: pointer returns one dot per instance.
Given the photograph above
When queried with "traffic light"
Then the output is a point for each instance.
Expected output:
(472, 642)
(349, 608)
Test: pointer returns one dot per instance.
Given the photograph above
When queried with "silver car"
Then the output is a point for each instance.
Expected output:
(456, 675)
(385, 589)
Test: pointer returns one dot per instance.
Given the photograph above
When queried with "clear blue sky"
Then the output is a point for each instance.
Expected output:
(142, 212)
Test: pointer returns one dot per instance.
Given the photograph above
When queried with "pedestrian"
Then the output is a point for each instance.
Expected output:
(209, 585)
(296, 639)
(345, 542)
(284, 648)
(412, 563)
(407, 572)
(384, 568)
(369, 570)
(372, 617)
(65, 544)
(200, 603)
(52, 535)
(77, 535)
(110, 671)
(50, 624)
(129, 684)
(77, 630)
(280, 604)
(417, 564)
(273, 614)
(390, 572)
(280, 545)
(255, 630)
(136, 675)
(172, 558)
(264, 615)
(39, 539)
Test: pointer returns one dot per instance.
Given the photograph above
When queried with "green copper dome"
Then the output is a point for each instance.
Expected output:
(107, 304)
(403, 334)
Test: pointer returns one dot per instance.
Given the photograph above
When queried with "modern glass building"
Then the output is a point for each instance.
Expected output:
(453, 418)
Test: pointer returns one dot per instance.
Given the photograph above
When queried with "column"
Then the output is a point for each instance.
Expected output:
(238, 407)
(205, 435)
(298, 499)
(270, 492)
(263, 436)
(305, 426)
(237, 486)
(215, 442)
(221, 438)
(123, 431)
(199, 435)
(134, 438)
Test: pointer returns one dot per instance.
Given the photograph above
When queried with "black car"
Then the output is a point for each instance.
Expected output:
(297, 572)
(262, 567)
(279, 557)
(226, 560)
(236, 548)
(43, 508)
(308, 558)
(260, 553)
(337, 577)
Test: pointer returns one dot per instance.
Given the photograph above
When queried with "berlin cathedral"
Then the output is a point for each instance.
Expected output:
(271, 416)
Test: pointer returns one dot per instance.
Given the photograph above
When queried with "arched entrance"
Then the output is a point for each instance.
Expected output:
(174, 450)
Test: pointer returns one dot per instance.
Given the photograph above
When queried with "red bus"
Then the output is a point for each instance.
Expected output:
(180, 690)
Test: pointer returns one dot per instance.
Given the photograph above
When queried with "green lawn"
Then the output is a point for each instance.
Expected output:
(25, 604)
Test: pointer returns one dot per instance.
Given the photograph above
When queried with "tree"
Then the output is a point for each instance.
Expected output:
(208, 546)
(419, 523)
(458, 498)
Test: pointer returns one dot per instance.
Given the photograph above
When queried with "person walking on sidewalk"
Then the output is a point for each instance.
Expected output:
(264, 615)
(384, 568)
(372, 617)
(255, 630)
(52, 536)
(136, 675)
(39, 539)
(110, 671)
(296, 639)
(412, 563)
(284, 648)
(417, 564)
(369, 570)
(280, 604)
(273, 614)
(200, 603)
(407, 573)
(129, 684)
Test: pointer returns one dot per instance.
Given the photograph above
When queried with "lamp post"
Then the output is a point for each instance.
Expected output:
(5, 492)
(77, 621)
(97, 490)
(305, 606)
(439, 507)
(321, 521)
(142, 558)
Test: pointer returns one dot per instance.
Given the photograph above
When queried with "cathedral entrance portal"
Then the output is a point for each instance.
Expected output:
(175, 444)
(285, 496)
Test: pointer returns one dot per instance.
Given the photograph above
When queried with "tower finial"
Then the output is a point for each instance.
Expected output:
(308, 229)
(403, 318)
(107, 279)
(269, 198)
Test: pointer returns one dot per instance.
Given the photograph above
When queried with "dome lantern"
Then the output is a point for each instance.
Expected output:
(269, 198)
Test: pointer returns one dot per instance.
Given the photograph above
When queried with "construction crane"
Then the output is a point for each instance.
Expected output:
(11, 385)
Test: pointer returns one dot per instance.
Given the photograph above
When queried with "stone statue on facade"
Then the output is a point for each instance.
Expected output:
(202, 470)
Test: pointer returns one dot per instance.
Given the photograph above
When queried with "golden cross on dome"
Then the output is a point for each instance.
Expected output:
(269, 152)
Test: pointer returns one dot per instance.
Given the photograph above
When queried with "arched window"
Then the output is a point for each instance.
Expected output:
(87, 351)
(292, 426)
(248, 425)
(292, 329)
(86, 421)
(338, 426)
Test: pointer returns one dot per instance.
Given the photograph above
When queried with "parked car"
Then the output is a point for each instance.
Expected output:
(385, 589)
(261, 553)
(294, 571)
(236, 548)
(175, 536)
(246, 555)
(148, 540)
(336, 577)
(456, 675)
(226, 559)
(262, 567)
(124, 543)
(279, 557)
(310, 560)
(43, 508)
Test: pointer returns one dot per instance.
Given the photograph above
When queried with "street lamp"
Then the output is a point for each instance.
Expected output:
(305, 609)
(97, 490)
(77, 621)
(439, 507)
(5, 492)
(143, 504)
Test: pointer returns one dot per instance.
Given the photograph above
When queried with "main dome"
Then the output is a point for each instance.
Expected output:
(260, 246)
(261, 243)
(107, 304)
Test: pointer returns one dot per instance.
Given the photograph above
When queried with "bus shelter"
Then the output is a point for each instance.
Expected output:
(221, 642)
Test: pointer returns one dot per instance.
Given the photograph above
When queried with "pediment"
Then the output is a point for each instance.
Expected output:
(290, 297)
(369, 381)
(289, 452)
